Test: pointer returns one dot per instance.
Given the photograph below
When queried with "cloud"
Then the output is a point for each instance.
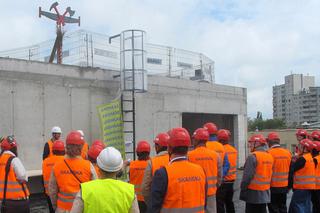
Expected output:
(253, 43)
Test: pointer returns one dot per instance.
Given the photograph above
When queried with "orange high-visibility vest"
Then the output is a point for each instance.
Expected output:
(262, 177)
(186, 188)
(305, 177)
(208, 160)
(136, 172)
(218, 147)
(159, 161)
(47, 166)
(15, 190)
(84, 151)
(68, 185)
(232, 154)
(281, 166)
(50, 144)
(317, 182)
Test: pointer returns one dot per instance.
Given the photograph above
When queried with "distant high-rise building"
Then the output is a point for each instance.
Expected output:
(297, 100)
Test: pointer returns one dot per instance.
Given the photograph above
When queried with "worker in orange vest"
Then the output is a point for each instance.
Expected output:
(85, 147)
(180, 186)
(315, 194)
(255, 184)
(136, 171)
(47, 149)
(301, 134)
(302, 178)
(94, 151)
(215, 145)
(67, 175)
(58, 151)
(210, 162)
(225, 191)
(14, 193)
(280, 174)
(156, 162)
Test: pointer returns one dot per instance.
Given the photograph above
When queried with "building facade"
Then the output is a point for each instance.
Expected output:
(297, 100)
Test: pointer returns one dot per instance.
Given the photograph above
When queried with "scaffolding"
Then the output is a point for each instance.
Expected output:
(89, 49)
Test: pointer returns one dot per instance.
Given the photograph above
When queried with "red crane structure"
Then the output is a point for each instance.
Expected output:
(61, 20)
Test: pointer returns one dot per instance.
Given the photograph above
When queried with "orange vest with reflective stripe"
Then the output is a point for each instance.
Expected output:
(305, 177)
(84, 150)
(218, 147)
(136, 172)
(232, 154)
(186, 188)
(15, 190)
(47, 166)
(262, 177)
(68, 185)
(50, 144)
(317, 173)
(281, 166)
(159, 161)
(208, 160)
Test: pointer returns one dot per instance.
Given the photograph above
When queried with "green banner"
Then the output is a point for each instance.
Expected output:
(111, 124)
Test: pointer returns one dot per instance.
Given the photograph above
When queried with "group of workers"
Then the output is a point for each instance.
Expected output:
(188, 174)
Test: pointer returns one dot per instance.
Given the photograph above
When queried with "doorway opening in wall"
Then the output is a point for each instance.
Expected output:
(193, 121)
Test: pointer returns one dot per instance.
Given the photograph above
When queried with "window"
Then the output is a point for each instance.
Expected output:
(154, 61)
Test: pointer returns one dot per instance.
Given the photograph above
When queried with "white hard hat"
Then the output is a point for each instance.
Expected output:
(56, 129)
(81, 132)
(110, 160)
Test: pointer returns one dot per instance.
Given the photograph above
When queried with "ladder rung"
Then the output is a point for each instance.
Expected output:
(128, 131)
(128, 121)
(127, 100)
(127, 110)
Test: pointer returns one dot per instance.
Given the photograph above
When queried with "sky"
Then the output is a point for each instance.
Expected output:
(254, 43)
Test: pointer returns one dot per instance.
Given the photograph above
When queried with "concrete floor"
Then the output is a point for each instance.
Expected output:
(39, 204)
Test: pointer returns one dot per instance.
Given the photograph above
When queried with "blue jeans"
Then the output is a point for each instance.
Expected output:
(300, 202)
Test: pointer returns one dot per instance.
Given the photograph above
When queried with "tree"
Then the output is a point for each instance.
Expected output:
(260, 124)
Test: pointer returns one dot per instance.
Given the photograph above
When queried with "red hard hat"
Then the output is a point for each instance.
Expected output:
(201, 134)
(58, 145)
(143, 146)
(95, 150)
(301, 132)
(315, 135)
(307, 143)
(223, 134)
(75, 137)
(162, 139)
(179, 137)
(316, 145)
(8, 143)
(99, 143)
(273, 136)
(257, 138)
(211, 127)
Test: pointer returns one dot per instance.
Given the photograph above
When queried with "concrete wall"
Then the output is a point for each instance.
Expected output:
(37, 96)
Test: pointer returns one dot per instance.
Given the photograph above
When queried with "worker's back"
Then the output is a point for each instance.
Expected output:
(232, 157)
(305, 177)
(217, 147)
(208, 160)
(107, 195)
(159, 161)
(136, 173)
(280, 173)
(47, 166)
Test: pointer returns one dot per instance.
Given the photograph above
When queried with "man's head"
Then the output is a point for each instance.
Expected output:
(94, 152)
(179, 142)
(223, 136)
(273, 138)
(211, 128)
(315, 135)
(255, 141)
(56, 133)
(74, 143)
(161, 142)
(143, 150)
(58, 148)
(301, 134)
(9, 144)
(305, 146)
(200, 137)
(110, 162)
